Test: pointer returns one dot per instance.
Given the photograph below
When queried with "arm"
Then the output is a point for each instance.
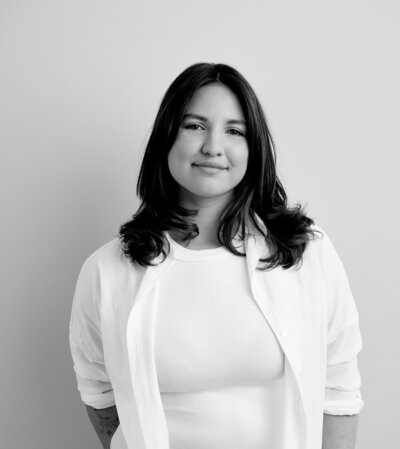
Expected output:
(105, 422)
(343, 400)
(339, 432)
(86, 344)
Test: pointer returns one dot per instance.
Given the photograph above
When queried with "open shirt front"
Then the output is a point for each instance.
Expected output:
(310, 309)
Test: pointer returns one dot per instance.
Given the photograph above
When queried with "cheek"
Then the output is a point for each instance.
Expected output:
(177, 162)
(240, 157)
(241, 164)
(178, 152)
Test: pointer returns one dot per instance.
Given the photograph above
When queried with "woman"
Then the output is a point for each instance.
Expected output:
(221, 318)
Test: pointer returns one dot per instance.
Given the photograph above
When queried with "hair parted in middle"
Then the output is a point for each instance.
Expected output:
(259, 193)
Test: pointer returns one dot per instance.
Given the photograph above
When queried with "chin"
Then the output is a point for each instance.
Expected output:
(210, 193)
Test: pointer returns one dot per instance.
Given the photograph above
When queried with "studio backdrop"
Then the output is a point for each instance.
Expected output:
(80, 84)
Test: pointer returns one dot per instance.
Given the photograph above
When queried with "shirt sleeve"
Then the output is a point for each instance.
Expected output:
(86, 341)
(343, 380)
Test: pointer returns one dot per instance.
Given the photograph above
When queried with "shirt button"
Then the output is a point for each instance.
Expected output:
(283, 332)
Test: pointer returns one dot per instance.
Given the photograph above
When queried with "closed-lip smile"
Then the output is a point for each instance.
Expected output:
(210, 164)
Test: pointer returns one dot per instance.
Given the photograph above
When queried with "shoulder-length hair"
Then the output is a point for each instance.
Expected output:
(260, 193)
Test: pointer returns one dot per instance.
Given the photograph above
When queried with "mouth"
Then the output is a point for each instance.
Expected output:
(211, 165)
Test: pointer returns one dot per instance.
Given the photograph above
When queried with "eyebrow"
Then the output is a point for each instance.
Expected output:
(204, 119)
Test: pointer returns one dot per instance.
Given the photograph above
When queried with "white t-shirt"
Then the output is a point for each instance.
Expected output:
(220, 367)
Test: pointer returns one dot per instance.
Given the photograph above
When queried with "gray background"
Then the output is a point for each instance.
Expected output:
(80, 83)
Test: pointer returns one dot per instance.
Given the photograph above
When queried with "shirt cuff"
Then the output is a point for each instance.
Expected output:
(339, 402)
(96, 394)
(96, 400)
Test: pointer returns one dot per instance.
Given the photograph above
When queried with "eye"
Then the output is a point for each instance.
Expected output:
(193, 126)
(235, 132)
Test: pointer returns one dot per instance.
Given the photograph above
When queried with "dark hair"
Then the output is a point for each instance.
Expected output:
(259, 192)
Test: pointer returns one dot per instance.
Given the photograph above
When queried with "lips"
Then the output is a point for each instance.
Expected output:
(210, 165)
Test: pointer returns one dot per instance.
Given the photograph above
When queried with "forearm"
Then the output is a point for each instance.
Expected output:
(339, 432)
(105, 422)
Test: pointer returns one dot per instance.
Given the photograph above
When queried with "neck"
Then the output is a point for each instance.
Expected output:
(207, 220)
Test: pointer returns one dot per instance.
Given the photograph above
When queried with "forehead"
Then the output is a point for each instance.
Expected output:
(215, 98)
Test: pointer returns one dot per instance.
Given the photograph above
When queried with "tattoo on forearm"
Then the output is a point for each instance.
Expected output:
(105, 421)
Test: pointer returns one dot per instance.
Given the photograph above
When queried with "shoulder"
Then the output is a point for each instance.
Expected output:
(107, 252)
(105, 268)
(321, 252)
(320, 241)
(108, 258)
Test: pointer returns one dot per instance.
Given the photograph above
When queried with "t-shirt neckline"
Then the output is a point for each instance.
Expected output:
(182, 253)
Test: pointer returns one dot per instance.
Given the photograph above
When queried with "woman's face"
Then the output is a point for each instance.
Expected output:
(213, 132)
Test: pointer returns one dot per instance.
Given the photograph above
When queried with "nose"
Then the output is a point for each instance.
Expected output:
(212, 145)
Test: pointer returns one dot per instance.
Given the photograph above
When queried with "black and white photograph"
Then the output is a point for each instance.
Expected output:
(199, 224)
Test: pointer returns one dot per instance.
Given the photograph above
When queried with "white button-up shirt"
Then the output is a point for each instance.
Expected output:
(310, 309)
